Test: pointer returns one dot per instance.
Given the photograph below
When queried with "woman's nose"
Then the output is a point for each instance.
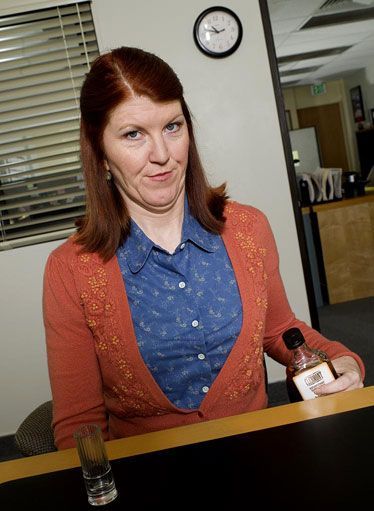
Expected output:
(159, 152)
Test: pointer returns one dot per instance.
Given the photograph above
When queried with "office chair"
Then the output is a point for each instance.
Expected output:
(35, 435)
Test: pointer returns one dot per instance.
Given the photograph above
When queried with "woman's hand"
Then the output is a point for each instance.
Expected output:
(349, 377)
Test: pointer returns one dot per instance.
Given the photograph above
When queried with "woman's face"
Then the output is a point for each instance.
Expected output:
(146, 150)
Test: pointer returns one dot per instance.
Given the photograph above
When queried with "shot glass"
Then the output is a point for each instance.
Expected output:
(97, 473)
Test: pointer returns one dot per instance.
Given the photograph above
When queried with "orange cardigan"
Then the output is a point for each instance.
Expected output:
(96, 371)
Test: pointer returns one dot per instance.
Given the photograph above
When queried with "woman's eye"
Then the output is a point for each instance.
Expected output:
(172, 127)
(132, 135)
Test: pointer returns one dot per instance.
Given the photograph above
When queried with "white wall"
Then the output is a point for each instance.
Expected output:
(24, 382)
(238, 133)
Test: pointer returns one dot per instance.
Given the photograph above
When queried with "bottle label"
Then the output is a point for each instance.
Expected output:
(312, 378)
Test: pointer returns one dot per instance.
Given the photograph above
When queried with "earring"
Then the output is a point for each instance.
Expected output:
(108, 176)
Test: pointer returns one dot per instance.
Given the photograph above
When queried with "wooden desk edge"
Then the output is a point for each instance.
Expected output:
(208, 430)
(317, 207)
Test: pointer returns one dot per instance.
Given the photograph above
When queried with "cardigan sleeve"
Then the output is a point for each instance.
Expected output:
(72, 363)
(279, 315)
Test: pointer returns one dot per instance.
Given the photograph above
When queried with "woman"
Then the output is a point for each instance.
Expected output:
(158, 311)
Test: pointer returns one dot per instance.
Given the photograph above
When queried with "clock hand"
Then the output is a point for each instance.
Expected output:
(216, 31)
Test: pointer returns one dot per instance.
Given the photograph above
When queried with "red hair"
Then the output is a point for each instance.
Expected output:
(114, 78)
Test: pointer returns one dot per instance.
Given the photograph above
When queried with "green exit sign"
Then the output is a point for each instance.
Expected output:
(318, 89)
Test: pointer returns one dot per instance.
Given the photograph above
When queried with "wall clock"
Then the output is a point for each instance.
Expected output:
(218, 32)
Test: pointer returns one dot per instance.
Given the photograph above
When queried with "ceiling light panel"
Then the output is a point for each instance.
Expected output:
(296, 78)
(293, 72)
(339, 18)
(364, 48)
(331, 6)
(336, 49)
(346, 28)
(314, 62)
(286, 9)
(296, 44)
(280, 39)
(286, 26)
(286, 66)
(312, 54)
(292, 83)
(357, 30)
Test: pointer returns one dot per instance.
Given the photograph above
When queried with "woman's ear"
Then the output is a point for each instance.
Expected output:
(106, 164)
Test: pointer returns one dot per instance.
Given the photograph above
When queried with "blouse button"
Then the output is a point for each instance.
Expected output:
(195, 323)
(205, 389)
(182, 246)
(201, 356)
(182, 285)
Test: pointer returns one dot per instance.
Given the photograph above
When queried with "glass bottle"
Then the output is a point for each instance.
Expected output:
(308, 369)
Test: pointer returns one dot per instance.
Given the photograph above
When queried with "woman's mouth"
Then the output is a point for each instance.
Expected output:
(161, 176)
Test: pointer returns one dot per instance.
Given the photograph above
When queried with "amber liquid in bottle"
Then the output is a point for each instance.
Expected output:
(309, 368)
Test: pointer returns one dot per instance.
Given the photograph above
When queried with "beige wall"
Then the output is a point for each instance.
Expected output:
(239, 137)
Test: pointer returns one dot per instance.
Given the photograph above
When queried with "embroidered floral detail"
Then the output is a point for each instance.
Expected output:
(114, 339)
(125, 369)
(109, 307)
(243, 381)
(83, 297)
(98, 280)
(100, 293)
(249, 370)
(135, 403)
(83, 264)
(102, 346)
(94, 307)
(102, 319)
(262, 302)
(91, 323)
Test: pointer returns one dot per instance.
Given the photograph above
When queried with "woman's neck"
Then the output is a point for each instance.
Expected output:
(164, 228)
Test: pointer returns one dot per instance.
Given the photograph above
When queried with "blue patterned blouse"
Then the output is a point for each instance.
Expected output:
(186, 308)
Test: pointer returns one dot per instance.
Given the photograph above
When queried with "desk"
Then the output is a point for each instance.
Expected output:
(344, 231)
(322, 447)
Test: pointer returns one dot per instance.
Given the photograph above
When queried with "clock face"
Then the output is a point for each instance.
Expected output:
(218, 32)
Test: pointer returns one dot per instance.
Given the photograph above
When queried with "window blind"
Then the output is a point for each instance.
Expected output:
(44, 56)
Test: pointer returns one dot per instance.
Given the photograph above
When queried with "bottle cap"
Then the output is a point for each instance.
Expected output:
(293, 338)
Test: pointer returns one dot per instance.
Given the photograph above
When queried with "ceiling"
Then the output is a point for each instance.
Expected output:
(338, 41)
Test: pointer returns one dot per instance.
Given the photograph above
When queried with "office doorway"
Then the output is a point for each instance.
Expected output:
(328, 124)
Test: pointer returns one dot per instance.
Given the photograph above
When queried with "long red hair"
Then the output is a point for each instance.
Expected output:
(115, 77)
